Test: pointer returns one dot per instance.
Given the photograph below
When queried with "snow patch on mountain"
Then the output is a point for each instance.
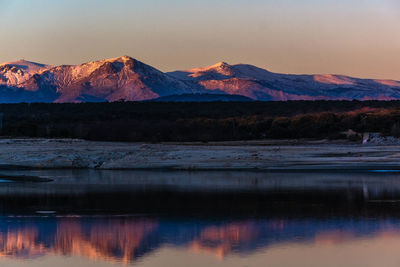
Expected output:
(390, 83)
(17, 72)
(334, 79)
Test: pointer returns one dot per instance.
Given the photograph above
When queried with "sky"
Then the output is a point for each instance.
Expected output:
(352, 37)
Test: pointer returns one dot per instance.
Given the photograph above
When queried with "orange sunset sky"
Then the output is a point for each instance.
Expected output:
(353, 37)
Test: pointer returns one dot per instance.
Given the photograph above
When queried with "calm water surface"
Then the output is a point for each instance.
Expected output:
(130, 218)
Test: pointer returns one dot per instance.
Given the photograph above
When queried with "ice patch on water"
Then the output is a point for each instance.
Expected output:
(383, 171)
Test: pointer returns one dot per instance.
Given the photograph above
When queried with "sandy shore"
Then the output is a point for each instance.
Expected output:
(259, 155)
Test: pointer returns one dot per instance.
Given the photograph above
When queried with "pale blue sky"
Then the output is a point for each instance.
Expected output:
(355, 37)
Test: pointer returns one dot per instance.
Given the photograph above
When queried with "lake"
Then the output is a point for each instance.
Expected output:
(158, 218)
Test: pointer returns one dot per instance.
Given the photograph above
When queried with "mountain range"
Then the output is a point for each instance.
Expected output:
(127, 79)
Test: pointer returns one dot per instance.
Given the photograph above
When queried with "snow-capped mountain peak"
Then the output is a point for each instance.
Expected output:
(121, 78)
(17, 72)
(261, 84)
(221, 68)
(27, 66)
(125, 78)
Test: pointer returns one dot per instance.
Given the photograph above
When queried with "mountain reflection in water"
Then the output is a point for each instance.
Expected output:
(124, 239)
(187, 218)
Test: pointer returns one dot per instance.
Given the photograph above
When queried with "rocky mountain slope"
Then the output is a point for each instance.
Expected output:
(125, 78)
(260, 84)
(122, 78)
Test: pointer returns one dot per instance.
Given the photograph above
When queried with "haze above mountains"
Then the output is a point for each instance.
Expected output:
(127, 79)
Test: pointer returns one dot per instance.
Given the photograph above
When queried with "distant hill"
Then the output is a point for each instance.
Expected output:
(125, 78)
(260, 84)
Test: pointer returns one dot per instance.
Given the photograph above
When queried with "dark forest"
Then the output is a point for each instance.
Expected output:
(213, 121)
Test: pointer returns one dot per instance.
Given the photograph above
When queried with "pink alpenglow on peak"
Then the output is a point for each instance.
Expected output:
(17, 72)
(389, 83)
(334, 79)
(125, 78)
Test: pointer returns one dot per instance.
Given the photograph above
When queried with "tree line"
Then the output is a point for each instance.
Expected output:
(212, 121)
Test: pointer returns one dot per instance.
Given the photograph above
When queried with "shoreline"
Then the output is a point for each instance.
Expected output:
(267, 155)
